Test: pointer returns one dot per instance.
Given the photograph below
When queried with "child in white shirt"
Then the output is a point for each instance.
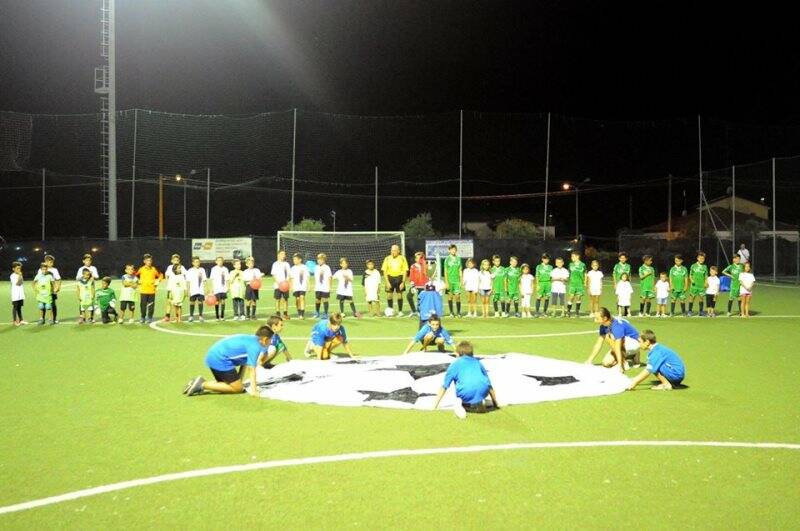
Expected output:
(712, 291)
(252, 277)
(298, 282)
(372, 285)
(238, 289)
(662, 294)
(322, 286)
(196, 280)
(595, 288)
(177, 292)
(746, 282)
(17, 293)
(280, 273)
(624, 291)
(219, 286)
(558, 288)
(471, 279)
(485, 286)
(344, 286)
(526, 289)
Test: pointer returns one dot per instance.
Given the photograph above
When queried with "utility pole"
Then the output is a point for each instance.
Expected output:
(669, 207)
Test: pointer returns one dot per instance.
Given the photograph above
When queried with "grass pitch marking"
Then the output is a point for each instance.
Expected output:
(155, 326)
(303, 461)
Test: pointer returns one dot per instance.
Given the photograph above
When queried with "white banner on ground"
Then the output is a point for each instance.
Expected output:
(411, 381)
(228, 248)
(433, 248)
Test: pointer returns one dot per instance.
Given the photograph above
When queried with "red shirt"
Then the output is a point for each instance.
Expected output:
(417, 273)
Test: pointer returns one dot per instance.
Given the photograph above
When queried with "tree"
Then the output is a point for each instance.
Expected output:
(306, 224)
(514, 228)
(420, 226)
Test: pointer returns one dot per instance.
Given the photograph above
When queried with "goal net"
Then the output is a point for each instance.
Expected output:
(357, 247)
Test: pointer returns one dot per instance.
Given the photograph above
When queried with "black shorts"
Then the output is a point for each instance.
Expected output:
(250, 294)
(710, 300)
(127, 305)
(395, 285)
(344, 298)
(197, 298)
(323, 294)
(229, 376)
(55, 296)
(299, 293)
(221, 296)
(281, 295)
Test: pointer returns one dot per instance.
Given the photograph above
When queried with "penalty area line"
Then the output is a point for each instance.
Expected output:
(303, 461)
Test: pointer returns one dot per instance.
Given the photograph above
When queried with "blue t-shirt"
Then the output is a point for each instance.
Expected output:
(321, 334)
(233, 351)
(471, 378)
(666, 362)
(619, 329)
(430, 302)
(441, 332)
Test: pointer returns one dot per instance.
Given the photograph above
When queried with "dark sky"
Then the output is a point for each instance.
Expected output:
(611, 61)
(614, 60)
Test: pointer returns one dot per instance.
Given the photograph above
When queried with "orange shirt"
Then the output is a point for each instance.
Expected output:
(148, 278)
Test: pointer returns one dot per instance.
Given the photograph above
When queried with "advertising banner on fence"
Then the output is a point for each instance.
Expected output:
(228, 248)
(434, 247)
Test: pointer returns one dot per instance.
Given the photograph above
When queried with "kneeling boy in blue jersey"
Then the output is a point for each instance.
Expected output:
(243, 351)
(326, 336)
(431, 333)
(471, 379)
(661, 361)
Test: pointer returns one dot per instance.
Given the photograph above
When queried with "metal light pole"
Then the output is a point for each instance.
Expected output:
(44, 207)
(179, 178)
(567, 186)
(160, 207)
(376, 199)
(208, 199)
(333, 215)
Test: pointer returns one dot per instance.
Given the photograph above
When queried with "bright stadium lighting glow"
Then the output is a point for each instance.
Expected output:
(565, 186)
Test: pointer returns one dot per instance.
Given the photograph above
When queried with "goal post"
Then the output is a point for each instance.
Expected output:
(357, 247)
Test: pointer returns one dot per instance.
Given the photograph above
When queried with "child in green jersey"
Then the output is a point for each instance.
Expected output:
(621, 267)
(85, 296)
(453, 279)
(499, 288)
(577, 283)
(697, 283)
(543, 284)
(733, 271)
(647, 285)
(513, 275)
(106, 301)
(43, 287)
(128, 293)
(678, 285)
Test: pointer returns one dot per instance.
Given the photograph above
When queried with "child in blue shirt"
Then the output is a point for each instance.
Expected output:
(661, 361)
(243, 351)
(326, 336)
(471, 379)
(432, 332)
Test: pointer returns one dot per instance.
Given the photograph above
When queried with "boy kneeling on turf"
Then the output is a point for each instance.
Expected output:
(326, 336)
(243, 351)
(431, 333)
(661, 361)
(471, 379)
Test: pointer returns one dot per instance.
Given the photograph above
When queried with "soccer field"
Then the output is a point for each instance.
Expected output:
(91, 406)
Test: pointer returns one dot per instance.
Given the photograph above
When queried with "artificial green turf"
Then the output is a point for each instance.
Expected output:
(92, 405)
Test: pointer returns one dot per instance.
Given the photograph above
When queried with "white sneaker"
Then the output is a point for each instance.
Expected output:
(399, 314)
(309, 350)
(459, 411)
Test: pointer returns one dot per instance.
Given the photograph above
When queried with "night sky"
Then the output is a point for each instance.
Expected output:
(610, 61)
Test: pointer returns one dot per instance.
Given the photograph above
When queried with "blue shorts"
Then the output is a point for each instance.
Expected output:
(673, 380)
(662, 301)
(473, 396)
(45, 306)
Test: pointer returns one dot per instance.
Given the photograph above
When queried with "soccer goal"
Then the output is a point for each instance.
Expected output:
(357, 247)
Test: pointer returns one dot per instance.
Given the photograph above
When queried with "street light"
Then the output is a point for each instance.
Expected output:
(333, 215)
(180, 178)
(577, 187)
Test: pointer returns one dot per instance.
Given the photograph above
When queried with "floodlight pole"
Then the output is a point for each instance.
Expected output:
(733, 210)
(184, 208)
(700, 168)
(208, 198)
(460, 170)
(376, 199)
(294, 160)
(133, 167)
(546, 180)
(669, 207)
(774, 226)
(160, 207)
(44, 209)
(112, 124)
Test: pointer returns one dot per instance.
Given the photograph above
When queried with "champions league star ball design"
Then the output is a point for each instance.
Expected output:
(411, 381)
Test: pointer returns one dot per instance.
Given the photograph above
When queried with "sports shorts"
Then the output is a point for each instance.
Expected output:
(395, 285)
(221, 296)
(322, 294)
(543, 290)
(499, 296)
(127, 305)
(228, 376)
(697, 291)
(576, 290)
(647, 294)
(278, 294)
(678, 295)
(197, 298)
(299, 294)
(250, 294)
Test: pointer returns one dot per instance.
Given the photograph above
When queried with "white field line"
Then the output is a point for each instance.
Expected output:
(303, 461)
(154, 325)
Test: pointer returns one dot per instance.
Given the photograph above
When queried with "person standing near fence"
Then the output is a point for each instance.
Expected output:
(394, 268)
(744, 254)
(148, 280)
